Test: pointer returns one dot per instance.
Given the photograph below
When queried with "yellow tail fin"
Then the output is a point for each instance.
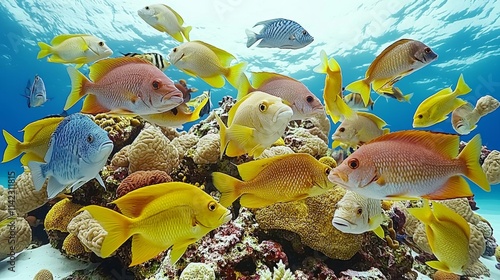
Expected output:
(185, 31)
(222, 133)
(13, 148)
(117, 225)
(229, 187)
(235, 75)
(362, 88)
(45, 49)
(344, 110)
(244, 88)
(470, 155)
(77, 87)
(424, 214)
(462, 87)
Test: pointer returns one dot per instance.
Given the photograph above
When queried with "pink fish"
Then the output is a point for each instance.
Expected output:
(123, 85)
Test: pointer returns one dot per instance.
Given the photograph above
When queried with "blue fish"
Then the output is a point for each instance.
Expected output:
(280, 33)
(35, 92)
(78, 150)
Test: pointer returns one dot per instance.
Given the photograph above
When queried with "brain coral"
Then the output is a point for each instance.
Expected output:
(152, 150)
(303, 217)
(22, 232)
(60, 215)
(88, 230)
(27, 197)
(207, 149)
(141, 179)
(491, 167)
(300, 140)
(276, 151)
(184, 142)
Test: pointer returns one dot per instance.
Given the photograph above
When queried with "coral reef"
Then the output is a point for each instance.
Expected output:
(207, 149)
(121, 129)
(88, 231)
(27, 197)
(301, 140)
(198, 271)
(373, 273)
(491, 167)
(141, 179)
(60, 215)
(18, 228)
(275, 151)
(43, 274)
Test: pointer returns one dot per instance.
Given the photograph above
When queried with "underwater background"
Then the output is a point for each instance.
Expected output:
(464, 34)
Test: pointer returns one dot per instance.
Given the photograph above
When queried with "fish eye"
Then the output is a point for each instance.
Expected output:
(342, 129)
(420, 116)
(427, 50)
(101, 44)
(262, 107)
(90, 138)
(359, 211)
(212, 205)
(156, 84)
(309, 99)
(327, 171)
(304, 32)
(174, 50)
(147, 8)
(353, 163)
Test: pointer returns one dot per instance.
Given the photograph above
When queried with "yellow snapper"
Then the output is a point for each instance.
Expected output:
(159, 217)
(74, 48)
(35, 140)
(278, 179)
(254, 123)
(357, 214)
(355, 101)
(400, 59)
(412, 164)
(123, 85)
(435, 108)
(448, 235)
(303, 102)
(165, 19)
(335, 106)
(211, 64)
(358, 131)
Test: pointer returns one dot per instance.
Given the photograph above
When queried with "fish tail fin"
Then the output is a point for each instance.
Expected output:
(78, 81)
(222, 133)
(437, 265)
(229, 187)
(462, 87)
(252, 37)
(361, 87)
(344, 109)
(235, 75)
(424, 214)
(385, 131)
(244, 88)
(185, 31)
(323, 67)
(45, 49)
(38, 174)
(470, 155)
(13, 148)
(117, 225)
(408, 97)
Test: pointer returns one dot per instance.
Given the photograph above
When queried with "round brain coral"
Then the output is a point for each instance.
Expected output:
(184, 142)
(207, 149)
(27, 197)
(60, 215)
(43, 274)
(89, 231)
(72, 246)
(141, 179)
(491, 167)
(22, 232)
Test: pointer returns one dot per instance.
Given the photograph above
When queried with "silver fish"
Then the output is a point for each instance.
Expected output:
(78, 149)
(35, 92)
(280, 33)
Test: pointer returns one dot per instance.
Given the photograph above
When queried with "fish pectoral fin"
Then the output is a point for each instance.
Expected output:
(379, 231)
(178, 250)
(92, 106)
(143, 249)
(455, 187)
(240, 136)
(252, 201)
(54, 187)
(76, 185)
(439, 266)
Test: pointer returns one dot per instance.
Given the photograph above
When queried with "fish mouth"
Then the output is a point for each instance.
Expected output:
(226, 217)
(339, 223)
(182, 56)
(338, 177)
(175, 96)
(283, 112)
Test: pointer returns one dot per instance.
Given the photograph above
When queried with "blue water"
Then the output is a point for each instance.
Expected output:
(465, 37)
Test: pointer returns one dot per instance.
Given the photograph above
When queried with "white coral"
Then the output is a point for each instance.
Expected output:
(280, 273)
(198, 271)
(184, 142)
(89, 231)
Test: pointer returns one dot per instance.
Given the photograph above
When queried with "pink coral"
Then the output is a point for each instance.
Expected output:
(141, 179)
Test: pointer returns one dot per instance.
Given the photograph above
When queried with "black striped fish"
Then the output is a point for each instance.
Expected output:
(280, 33)
(155, 58)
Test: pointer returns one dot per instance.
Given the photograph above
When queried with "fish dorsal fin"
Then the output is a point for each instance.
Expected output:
(33, 129)
(383, 53)
(250, 170)
(378, 121)
(268, 22)
(63, 37)
(103, 66)
(234, 109)
(261, 78)
(444, 214)
(179, 18)
(225, 58)
(443, 143)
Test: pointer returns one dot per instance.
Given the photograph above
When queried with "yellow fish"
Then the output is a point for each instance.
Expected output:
(335, 106)
(400, 59)
(165, 19)
(278, 179)
(74, 48)
(358, 131)
(211, 64)
(35, 141)
(435, 108)
(159, 217)
(254, 123)
(448, 235)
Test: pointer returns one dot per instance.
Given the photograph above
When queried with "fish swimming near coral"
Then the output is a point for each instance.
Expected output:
(303, 102)
(435, 108)
(355, 101)
(411, 165)
(398, 60)
(357, 214)
(271, 180)
(74, 48)
(448, 234)
(154, 58)
(208, 62)
(165, 19)
(159, 217)
(279, 33)
(78, 150)
(35, 140)
(464, 119)
(254, 123)
(356, 132)
(123, 85)
(186, 91)
(35, 92)
(335, 105)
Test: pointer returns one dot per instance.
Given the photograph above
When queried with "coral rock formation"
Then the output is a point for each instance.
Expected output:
(141, 179)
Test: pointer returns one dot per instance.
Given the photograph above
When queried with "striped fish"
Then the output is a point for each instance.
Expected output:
(155, 58)
(280, 33)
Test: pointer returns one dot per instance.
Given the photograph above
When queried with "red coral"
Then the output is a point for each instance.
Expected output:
(273, 252)
(141, 179)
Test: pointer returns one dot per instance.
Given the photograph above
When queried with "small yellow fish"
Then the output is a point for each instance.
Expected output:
(254, 123)
(35, 141)
(278, 179)
(358, 131)
(211, 64)
(335, 106)
(159, 217)
(165, 19)
(448, 235)
(355, 101)
(74, 48)
(435, 108)
(400, 59)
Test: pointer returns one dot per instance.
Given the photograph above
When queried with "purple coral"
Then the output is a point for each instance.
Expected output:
(398, 219)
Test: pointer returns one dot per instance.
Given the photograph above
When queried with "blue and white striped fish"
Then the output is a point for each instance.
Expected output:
(280, 33)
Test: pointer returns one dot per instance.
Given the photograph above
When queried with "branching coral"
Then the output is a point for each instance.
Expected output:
(88, 230)
(141, 179)
(491, 167)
